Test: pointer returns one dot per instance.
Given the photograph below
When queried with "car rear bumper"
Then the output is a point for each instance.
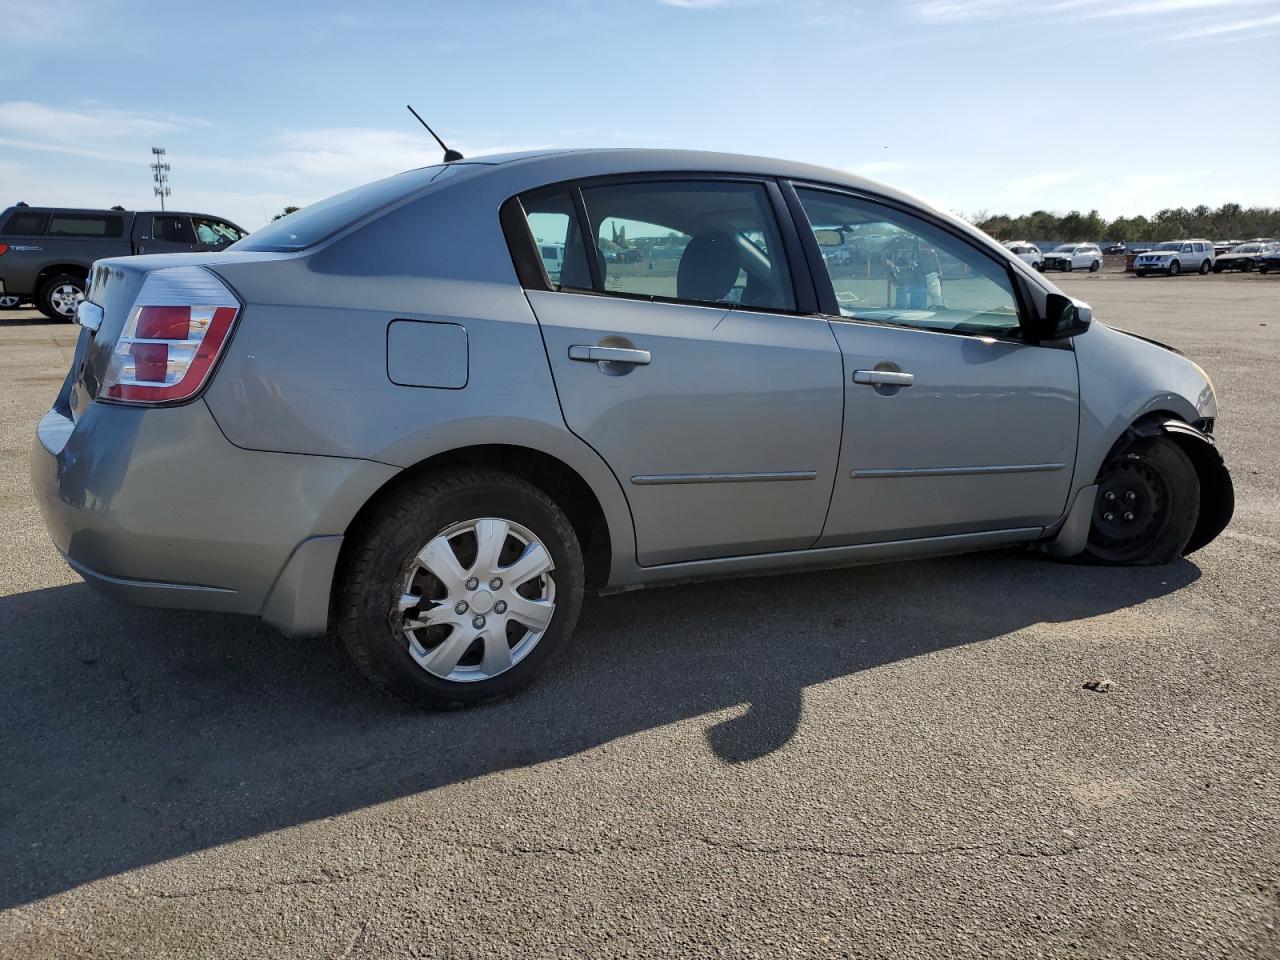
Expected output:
(155, 507)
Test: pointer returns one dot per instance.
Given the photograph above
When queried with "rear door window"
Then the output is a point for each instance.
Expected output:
(690, 241)
(105, 226)
(554, 225)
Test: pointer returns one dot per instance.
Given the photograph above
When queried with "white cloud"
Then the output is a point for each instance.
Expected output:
(708, 4)
(24, 118)
(1216, 30)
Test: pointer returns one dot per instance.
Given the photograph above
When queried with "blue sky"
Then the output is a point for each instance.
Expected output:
(997, 105)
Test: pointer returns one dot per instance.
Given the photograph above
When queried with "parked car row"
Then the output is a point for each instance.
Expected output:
(1246, 256)
(46, 252)
(1066, 256)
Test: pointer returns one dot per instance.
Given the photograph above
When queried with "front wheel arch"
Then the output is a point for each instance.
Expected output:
(1217, 492)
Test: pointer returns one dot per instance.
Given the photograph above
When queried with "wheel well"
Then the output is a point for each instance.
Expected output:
(1217, 494)
(73, 269)
(552, 476)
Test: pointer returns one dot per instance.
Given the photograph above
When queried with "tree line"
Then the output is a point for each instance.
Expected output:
(1228, 222)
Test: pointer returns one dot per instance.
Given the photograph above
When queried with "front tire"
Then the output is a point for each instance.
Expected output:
(59, 296)
(461, 589)
(1175, 268)
(1140, 273)
(1066, 266)
(1147, 505)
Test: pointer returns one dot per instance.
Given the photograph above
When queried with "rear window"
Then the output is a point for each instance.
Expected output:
(25, 224)
(321, 220)
(85, 225)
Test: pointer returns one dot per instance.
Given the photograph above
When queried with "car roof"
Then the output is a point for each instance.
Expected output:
(569, 164)
(106, 210)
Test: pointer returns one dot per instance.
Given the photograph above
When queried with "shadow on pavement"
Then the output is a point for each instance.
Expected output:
(132, 736)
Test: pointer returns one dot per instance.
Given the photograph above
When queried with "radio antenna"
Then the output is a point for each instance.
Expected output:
(449, 155)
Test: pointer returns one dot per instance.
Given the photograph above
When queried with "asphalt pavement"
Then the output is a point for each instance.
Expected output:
(900, 760)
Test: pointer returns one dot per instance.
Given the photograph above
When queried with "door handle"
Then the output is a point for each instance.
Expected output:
(609, 355)
(893, 378)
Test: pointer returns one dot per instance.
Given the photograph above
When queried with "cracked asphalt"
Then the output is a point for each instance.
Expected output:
(885, 761)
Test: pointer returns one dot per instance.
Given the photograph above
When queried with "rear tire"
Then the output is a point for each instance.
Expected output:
(1147, 506)
(59, 296)
(10, 303)
(465, 649)
(1095, 267)
(1204, 267)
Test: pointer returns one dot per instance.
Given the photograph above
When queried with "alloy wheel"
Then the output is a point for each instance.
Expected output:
(65, 298)
(476, 599)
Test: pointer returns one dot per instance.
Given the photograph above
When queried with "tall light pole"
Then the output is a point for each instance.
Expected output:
(160, 173)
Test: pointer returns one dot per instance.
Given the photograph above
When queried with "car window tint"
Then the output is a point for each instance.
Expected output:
(172, 230)
(323, 219)
(25, 224)
(889, 267)
(215, 232)
(554, 225)
(695, 241)
(85, 225)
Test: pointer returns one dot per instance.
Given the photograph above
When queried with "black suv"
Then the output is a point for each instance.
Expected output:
(46, 252)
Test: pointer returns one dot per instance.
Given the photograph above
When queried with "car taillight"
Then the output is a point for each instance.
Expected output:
(4, 248)
(176, 329)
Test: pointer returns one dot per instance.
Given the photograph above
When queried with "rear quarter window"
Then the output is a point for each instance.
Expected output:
(323, 219)
(25, 224)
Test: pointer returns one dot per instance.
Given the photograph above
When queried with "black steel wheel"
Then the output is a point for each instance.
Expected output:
(1147, 505)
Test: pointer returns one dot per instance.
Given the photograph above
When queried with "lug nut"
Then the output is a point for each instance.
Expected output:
(477, 622)
(1128, 515)
(472, 583)
(495, 583)
(1110, 495)
(1108, 516)
(1130, 495)
(500, 607)
(460, 607)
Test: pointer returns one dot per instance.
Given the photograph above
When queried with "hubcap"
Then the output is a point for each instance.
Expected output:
(66, 298)
(457, 624)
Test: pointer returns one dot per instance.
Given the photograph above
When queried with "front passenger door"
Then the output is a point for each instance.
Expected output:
(953, 424)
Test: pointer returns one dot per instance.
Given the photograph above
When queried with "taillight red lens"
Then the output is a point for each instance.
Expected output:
(4, 248)
(167, 350)
(164, 323)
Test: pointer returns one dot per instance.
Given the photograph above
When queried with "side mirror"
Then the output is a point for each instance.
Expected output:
(1063, 317)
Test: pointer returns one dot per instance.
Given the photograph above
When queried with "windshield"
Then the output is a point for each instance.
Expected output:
(297, 231)
(1066, 248)
(1247, 248)
(1171, 245)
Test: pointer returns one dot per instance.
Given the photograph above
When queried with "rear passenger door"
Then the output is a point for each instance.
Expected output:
(682, 353)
